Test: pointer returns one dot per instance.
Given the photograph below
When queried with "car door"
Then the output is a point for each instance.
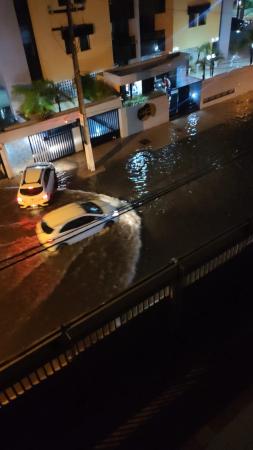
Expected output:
(46, 181)
(80, 228)
(51, 181)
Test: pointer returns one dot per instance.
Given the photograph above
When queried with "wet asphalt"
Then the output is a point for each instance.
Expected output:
(189, 191)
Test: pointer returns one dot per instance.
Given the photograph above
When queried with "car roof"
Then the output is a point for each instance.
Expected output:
(32, 175)
(33, 172)
(63, 214)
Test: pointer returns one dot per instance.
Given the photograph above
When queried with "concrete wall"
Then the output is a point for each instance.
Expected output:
(13, 68)
(185, 37)
(130, 124)
(225, 26)
(56, 64)
(226, 85)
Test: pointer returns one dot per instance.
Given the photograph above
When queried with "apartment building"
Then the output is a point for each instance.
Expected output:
(148, 39)
(195, 23)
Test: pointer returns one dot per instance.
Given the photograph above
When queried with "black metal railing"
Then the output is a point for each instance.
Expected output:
(58, 349)
(104, 126)
(52, 144)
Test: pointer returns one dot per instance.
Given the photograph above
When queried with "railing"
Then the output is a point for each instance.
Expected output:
(58, 349)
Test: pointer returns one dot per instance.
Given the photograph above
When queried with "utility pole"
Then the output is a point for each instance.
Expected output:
(83, 118)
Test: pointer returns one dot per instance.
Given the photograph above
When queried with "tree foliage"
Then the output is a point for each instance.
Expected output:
(202, 57)
(94, 89)
(39, 98)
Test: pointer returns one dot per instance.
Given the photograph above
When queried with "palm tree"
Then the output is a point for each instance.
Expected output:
(207, 55)
(203, 50)
(39, 98)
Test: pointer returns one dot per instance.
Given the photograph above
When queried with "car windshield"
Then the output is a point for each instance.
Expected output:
(31, 191)
(46, 228)
(32, 176)
(91, 208)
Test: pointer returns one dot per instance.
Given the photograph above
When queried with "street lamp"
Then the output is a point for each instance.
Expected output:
(211, 59)
(251, 53)
(214, 41)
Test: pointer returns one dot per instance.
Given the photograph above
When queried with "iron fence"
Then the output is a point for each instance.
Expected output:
(60, 348)
(52, 144)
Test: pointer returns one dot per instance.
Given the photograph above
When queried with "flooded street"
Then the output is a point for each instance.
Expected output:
(188, 192)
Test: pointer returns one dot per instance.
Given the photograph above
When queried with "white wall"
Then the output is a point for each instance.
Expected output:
(225, 26)
(130, 124)
(13, 68)
(238, 80)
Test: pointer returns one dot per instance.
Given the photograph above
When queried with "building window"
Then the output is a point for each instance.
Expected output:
(198, 14)
(202, 18)
(64, 2)
(160, 6)
(84, 42)
(193, 20)
(81, 32)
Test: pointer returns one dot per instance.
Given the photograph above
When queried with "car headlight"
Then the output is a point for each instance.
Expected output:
(115, 213)
(19, 200)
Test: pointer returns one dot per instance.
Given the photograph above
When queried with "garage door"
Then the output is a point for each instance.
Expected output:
(52, 144)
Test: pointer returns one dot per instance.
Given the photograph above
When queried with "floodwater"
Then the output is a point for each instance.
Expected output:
(208, 181)
(147, 170)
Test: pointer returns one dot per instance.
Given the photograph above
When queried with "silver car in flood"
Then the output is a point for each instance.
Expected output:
(74, 222)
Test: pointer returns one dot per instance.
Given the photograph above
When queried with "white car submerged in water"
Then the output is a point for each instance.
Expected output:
(74, 222)
(38, 185)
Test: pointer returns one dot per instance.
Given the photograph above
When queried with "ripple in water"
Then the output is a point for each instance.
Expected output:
(139, 166)
(192, 124)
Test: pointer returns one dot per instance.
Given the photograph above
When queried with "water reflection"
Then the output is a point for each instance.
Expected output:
(145, 167)
(192, 124)
(139, 167)
(149, 170)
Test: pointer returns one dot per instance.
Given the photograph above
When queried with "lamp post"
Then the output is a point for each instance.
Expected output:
(251, 53)
(240, 9)
(211, 59)
(214, 42)
(83, 117)
(204, 68)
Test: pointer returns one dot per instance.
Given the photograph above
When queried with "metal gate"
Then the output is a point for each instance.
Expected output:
(52, 144)
(104, 127)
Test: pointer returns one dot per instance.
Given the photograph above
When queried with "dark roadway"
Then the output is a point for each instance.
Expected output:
(42, 292)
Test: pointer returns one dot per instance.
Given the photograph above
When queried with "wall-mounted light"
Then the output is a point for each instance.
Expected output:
(175, 49)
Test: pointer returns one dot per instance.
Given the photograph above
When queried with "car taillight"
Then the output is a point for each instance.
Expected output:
(45, 197)
(19, 199)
